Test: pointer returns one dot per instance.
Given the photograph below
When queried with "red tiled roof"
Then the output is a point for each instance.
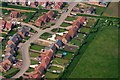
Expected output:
(66, 36)
(72, 32)
(9, 25)
(14, 14)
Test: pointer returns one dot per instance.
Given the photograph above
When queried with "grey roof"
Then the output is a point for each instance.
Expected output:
(11, 58)
(16, 38)
(59, 43)
(24, 29)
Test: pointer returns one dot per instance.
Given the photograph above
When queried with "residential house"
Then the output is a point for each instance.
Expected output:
(53, 48)
(4, 66)
(66, 38)
(72, 32)
(58, 37)
(14, 14)
(50, 14)
(38, 22)
(76, 23)
(45, 61)
(24, 31)
(39, 68)
(59, 43)
(58, 5)
(9, 26)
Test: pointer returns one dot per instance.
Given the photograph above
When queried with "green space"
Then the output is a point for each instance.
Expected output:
(64, 24)
(58, 30)
(4, 11)
(60, 61)
(5, 4)
(33, 62)
(56, 68)
(36, 47)
(98, 56)
(90, 22)
(10, 73)
(45, 35)
(51, 75)
(85, 30)
(76, 41)
(70, 18)
(112, 10)
(33, 54)
(30, 70)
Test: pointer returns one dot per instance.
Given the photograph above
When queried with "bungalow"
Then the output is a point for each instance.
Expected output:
(66, 38)
(14, 14)
(59, 43)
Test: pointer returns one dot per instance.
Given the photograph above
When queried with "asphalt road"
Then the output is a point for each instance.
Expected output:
(26, 45)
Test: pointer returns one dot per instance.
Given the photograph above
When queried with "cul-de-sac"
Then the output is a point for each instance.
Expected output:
(59, 39)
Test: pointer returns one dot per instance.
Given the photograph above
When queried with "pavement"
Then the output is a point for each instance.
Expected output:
(26, 45)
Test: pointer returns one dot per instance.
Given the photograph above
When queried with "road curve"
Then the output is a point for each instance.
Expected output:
(26, 45)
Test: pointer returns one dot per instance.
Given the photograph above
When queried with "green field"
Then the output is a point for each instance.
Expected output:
(112, 10)
(101, 56)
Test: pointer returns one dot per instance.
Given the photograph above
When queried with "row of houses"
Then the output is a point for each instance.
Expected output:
(11, 49)
(88, 10)
(48, 54)
(72, 31)
(45, 18)
(45, 58)
(35, 4)
(6, 25)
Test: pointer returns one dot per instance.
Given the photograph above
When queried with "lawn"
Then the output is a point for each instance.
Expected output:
(33, 62)
(58, 30)
(64, 24)
(56, 68)
(60, 61)
(10, 73)
(4, 11)
(51, 75)
(84, 30)
(100, 59)
(45, 35)
(30, 70)
(33, 54)
(75, 41)
(112, 10)
(91, 22)
(70, 18)
(36, 47)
